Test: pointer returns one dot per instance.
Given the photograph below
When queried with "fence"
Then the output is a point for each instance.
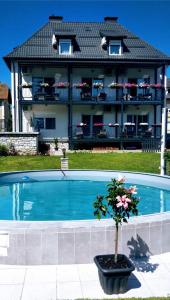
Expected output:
(151, 145)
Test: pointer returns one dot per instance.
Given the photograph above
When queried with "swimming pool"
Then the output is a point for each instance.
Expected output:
(77, 241)
(67, 198)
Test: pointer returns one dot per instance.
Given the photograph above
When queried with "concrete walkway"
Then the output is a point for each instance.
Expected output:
(151, 278)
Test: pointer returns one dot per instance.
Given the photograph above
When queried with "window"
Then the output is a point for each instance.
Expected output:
(36, 85)
(50, 123)
(44, 123)
(168, 91)
(115, 48)
(65, 47)
(39, 123)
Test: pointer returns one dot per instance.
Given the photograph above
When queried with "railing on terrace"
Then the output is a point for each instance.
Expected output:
(83, 93)
(115, 131)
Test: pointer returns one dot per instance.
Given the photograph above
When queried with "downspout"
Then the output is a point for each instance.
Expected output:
(163, 129)
(13, 81)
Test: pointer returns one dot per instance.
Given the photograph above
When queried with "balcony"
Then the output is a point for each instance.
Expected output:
(100, 132)
(85, 94)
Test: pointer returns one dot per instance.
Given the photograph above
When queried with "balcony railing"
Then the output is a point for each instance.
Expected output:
(123, 93)
(115, 131)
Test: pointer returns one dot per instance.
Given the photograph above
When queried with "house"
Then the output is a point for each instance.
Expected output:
(168, 107)
(87, 84)
(5, 115)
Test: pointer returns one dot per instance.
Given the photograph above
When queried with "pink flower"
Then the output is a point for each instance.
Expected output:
(121, 179)
(123, 201)
(132, 190)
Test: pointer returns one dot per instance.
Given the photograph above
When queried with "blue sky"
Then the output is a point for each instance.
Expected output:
(20, 19)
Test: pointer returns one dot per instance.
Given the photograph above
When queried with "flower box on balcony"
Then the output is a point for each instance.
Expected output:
(44, 84)
(98, 124)
(129, 124)
(143, 85)
(26, 85)
(82, 85)
(156, 86)
(98, 85)
(113, 124)
(61, 85)
(130, 85)
(115, 85)
(81, 124)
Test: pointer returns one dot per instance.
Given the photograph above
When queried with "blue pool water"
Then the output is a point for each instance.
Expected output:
(67, 200)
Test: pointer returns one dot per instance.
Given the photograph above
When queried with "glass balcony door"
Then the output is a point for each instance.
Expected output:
(93, 124)
(140, 124)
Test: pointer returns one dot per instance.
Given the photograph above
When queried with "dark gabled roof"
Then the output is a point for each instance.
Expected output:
(112, 34)
(88, 38)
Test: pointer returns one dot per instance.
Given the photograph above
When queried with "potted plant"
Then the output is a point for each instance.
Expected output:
(64, 160)
(56, 144)
(119, 203)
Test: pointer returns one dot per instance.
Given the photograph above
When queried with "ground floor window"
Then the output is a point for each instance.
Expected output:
(44, 123)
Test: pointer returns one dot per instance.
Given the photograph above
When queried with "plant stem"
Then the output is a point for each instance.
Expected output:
(116, 243)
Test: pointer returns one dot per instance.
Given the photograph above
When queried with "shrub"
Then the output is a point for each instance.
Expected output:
(167, 155)
(12, 151)
(43, 148)
(4, 151)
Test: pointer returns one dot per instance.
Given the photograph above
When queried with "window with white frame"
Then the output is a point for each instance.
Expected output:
(115, 48)
(44, 123)
(65, 47)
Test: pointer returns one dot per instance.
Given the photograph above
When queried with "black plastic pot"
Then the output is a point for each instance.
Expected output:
(114, 281)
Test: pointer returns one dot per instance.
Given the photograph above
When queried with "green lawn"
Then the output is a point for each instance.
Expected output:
(142, 162)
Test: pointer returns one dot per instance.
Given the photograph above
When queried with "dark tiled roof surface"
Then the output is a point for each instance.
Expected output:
(88, 37)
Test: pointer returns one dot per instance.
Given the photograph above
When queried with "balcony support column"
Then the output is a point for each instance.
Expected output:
(70, 107)
(156, 81)
(155, 120)
(116, 121)
(121, 122)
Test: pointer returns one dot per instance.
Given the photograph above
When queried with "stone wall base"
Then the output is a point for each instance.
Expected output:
(23, 143)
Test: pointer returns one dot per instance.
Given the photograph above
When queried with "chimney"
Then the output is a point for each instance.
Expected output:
(58, 19)
(110, 19)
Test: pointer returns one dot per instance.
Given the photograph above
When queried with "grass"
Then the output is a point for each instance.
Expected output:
(140, 162)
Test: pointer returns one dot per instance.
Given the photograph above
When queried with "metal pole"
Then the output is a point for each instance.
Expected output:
(163, 135)
(163, 129)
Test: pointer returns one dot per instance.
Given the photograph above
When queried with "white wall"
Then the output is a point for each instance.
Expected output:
(2, 114)
(59, 112)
